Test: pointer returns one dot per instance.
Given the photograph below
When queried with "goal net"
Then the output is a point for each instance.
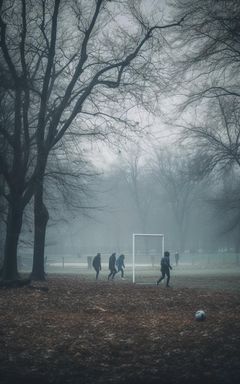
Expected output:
(147, 251)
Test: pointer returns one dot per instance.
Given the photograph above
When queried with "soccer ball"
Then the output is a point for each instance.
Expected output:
(200, 315)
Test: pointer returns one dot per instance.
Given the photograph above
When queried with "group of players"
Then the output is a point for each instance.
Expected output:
(117, 265)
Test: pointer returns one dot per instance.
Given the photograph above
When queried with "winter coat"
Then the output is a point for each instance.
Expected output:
(97, 262)
(112, 261)
(165, 263)
(120, 262)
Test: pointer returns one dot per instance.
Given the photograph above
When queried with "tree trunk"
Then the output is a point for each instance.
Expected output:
(14, 224)
(41, 217)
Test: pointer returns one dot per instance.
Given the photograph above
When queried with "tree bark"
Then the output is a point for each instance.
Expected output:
(14, 224)
(41, 218)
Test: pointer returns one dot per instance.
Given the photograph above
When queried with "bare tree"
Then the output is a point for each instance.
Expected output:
(215, 136)
(209, 45)
(135, 176)
(171, 170)
(67, 188)
(215, 139)
(208, 67)
(69, 64)
(208, 50)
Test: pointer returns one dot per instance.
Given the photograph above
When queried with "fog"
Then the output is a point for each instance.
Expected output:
(128, 142)
(120, 204)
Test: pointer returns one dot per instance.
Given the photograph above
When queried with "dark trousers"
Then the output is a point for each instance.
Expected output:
(97, 272)
(165, 272)
(121, 270)
(112, 273)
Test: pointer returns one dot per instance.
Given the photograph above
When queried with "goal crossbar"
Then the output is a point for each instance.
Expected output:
(133, 246)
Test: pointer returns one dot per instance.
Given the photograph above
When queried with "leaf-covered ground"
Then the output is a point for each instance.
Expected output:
(71, 330)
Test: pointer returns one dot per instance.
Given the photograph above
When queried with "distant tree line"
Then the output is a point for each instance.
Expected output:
(156, 194)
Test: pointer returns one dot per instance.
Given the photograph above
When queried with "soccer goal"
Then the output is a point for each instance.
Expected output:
(147, 250)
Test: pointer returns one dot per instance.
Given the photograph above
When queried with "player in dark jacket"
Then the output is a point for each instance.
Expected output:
(97, 264)
(112, 266)
(120, 265)
(165, 268)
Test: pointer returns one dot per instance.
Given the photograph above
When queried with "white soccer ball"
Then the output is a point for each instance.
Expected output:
(200, 315)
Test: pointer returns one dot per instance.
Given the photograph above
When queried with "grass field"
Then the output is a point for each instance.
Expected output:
(186, 275)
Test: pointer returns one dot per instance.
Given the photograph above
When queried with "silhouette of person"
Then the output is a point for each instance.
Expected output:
(165, 268)
(97, 264)
(120, 265)
(112, 266)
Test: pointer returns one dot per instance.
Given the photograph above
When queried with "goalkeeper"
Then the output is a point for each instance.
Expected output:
(165, 268)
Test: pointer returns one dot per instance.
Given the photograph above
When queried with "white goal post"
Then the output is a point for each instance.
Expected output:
(134, 236)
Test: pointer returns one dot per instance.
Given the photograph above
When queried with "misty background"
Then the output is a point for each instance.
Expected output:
(140, 133)
(143, 190)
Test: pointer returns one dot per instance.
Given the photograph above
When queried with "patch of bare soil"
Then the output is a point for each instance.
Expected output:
(68, 330)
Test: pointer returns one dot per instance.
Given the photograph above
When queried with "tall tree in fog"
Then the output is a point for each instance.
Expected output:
(209, 65)
(67, 190)
(140, 188)
(135, 177)
(171, 170)
(73, 66)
